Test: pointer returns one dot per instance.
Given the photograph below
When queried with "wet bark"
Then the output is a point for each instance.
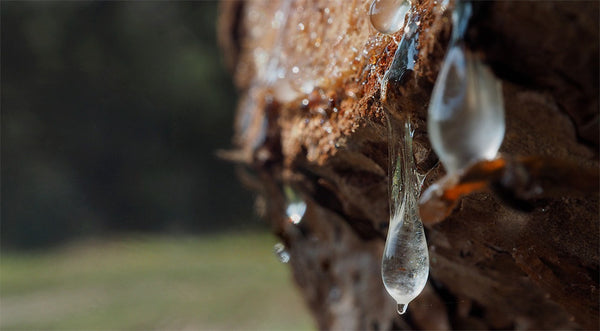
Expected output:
(492, 266)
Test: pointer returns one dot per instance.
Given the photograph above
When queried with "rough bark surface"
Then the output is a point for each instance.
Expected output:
(310, 76)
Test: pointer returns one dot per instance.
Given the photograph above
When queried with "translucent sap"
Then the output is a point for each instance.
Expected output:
(282, 254)
(387, 16)
(295, 206)
(466, 111)
(405, 263)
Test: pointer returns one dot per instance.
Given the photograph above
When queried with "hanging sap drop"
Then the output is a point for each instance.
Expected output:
(466, 111)
(387, 16)
(282, 254)
(295, 206)
(402, 308)
(405, 262)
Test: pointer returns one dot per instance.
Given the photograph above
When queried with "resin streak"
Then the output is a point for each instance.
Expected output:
(405, 263)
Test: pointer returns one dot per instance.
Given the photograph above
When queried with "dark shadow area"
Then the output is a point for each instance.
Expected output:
(111, 116)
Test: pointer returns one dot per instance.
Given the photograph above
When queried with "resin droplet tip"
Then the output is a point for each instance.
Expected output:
(402, 308)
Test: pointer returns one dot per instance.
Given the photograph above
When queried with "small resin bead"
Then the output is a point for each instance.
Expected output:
(295, 206)
(387, 16)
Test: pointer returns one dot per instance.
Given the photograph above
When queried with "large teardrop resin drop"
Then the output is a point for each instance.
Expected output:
(466, 111)
(405, 262)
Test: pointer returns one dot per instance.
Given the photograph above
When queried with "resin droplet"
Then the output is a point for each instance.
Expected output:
(387, 16)
(405, 263)
(295, 206)
(402, 308)
(466, 111)
(282, 254)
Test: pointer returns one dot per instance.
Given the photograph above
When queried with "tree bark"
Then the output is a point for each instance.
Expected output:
(310, 117)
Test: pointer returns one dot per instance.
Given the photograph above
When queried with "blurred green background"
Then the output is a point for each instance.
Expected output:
(116, 212)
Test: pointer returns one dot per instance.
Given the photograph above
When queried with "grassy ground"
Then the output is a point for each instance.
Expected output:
(220, 282)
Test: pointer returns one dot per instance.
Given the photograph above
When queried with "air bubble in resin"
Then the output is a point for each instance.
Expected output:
(466, 111)
(387, 16)
(282, 254)
(295, 206)
(405, 262)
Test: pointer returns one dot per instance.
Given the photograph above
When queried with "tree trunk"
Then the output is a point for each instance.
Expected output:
(311, 119)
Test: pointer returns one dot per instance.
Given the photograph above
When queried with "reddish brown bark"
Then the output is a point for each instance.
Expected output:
(492, 266)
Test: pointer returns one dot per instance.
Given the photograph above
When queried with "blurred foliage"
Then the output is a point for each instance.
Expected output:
(111, 116)
(148, 282)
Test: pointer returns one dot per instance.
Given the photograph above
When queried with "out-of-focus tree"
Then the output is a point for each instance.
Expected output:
(111, 116)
